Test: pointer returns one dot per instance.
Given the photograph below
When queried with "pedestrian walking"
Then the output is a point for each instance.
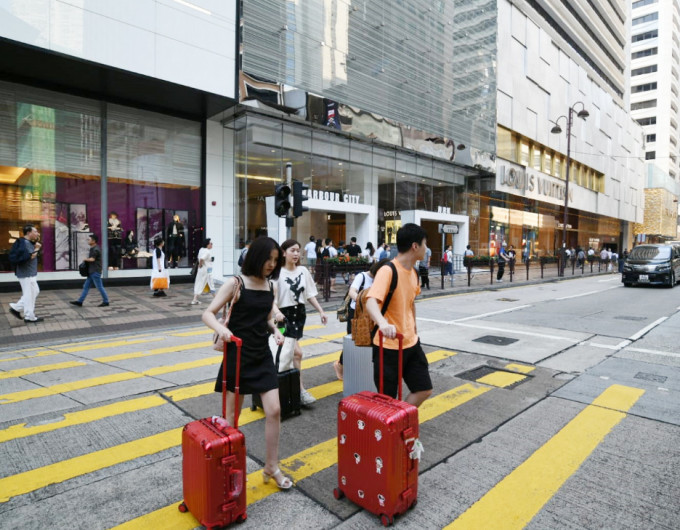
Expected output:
(252, 321)
(502, 260)
(370, 252)
(294, 287)
(448, 261)
(94, 273)
(310, 254)
(467, 257)
(244, 251)
(204, 277)
(362, 281)
(399, 317)
(329, 252)
(424, 269)
(353, 250)
(24, 256)
(160, 280)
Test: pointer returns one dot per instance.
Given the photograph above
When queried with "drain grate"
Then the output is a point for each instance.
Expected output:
(636, 319)
(495, 340)
(651, 377)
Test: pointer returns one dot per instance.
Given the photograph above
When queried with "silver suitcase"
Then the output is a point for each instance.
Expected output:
(357, 367)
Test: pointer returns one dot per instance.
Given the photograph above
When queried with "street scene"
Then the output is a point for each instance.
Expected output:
(568, 390)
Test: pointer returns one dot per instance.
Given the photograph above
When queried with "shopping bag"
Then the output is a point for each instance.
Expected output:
(160, 283)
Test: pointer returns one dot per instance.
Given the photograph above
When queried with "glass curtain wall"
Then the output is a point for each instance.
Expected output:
(51, 152)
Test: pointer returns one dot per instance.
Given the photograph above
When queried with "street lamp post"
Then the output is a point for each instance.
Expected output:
(583, 114)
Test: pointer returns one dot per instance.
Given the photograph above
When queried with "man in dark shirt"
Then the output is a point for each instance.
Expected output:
(353, 250)
(94, 273)
(27, 273)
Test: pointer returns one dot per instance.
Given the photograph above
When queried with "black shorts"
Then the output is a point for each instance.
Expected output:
(296, 315)
(416, 373)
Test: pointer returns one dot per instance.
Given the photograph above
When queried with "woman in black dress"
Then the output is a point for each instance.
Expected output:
(252, 321)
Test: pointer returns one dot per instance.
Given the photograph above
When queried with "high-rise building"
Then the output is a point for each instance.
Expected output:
(553, 56)
(654, 102)
(434, 112)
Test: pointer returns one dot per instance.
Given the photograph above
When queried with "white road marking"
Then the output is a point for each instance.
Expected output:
(605, 377)
(654, 352)
(514, 331)
(647, 328)
(589, 292)
(474, 317)
(663, 389)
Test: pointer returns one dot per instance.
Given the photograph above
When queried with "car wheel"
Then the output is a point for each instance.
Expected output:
(671, 280)
(627, 284)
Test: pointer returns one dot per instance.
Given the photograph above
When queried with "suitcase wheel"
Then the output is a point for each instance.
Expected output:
(338, 493)
(386, 520)
(183, 508)
(413, 504)
(241, 518)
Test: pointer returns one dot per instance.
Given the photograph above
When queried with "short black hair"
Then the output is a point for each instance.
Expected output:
(408, 234)
(206, 242)
(311, 238)
(158, 240)
(28, 228)
(328, 241)
(353, 239)
(258, 254)
(95, 238)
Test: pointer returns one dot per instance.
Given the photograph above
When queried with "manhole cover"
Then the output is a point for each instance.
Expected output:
(496, 340)
(651, 377)
(636, 319)
(508, 299)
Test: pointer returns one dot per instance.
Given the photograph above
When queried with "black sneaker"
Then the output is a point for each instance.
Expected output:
(76, 302)
(103, 304)
(38, 319)
(15, 313)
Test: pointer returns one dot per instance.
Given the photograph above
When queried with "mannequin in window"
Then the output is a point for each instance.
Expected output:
(115, 231)
(130, 246)
(175, 242)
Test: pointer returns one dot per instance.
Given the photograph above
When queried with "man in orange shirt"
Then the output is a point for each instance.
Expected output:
(401, 317)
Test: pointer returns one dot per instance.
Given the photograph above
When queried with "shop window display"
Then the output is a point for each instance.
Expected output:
(51, 176)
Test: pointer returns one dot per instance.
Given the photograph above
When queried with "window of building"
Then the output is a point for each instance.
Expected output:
(642, 3)
(506, 144)
(536, 157)
(650, 103)
(524, 152)
(650, 155)
(646, 35)
(647, 121)
(650, 138)
(644, 70)
(645, 53)
(643, 88)
(645, 18)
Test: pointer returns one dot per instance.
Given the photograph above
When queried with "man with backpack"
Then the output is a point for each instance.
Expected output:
(503, 258)
(391, 306)
(24, 256)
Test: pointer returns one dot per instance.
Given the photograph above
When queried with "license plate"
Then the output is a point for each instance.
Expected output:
(643, 278)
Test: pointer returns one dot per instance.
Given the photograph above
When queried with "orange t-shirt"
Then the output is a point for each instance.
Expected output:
(400, 311)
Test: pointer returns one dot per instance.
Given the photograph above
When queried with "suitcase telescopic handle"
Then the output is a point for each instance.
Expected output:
(400, 338)
(239, 344)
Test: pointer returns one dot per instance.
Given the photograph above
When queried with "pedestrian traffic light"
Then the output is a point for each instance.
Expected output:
(282, 200)
(299, 198)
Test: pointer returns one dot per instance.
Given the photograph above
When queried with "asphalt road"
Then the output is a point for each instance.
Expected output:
(555, 406)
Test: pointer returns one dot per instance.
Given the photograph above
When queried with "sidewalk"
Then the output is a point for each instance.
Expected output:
(133, 308)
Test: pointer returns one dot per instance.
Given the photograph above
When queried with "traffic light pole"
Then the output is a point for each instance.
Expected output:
(289, 181)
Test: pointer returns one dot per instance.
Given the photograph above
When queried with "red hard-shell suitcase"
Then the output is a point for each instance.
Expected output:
(378, 450)
(214, 463)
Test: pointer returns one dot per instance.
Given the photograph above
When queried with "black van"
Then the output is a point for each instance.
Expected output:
(652, 264)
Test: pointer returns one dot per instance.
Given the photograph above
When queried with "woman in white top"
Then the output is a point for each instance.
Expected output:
(370, 252)
(294, 288)
(158, 265)
(362, 281)
(204, 271)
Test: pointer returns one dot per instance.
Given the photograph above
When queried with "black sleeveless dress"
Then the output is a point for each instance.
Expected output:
(248, 322)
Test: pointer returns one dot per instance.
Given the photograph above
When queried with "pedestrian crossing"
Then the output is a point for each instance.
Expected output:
(504, 505)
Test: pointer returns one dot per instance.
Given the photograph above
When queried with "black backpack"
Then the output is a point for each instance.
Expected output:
(19, 254)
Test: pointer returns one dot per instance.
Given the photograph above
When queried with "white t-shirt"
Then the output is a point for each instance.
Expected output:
(333, 251)
(205, 254)
(310, 248)
(368, 281)
(295, 287)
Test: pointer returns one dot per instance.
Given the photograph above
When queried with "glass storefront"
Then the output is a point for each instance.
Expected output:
(58, 173)
(342, 168)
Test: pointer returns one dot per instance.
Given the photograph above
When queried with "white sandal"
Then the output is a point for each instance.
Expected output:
(282, 481)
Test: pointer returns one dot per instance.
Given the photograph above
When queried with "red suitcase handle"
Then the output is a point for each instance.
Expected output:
(400, 338)
(238, 343)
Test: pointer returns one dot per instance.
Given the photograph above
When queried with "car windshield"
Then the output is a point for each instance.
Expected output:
(646, 252)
